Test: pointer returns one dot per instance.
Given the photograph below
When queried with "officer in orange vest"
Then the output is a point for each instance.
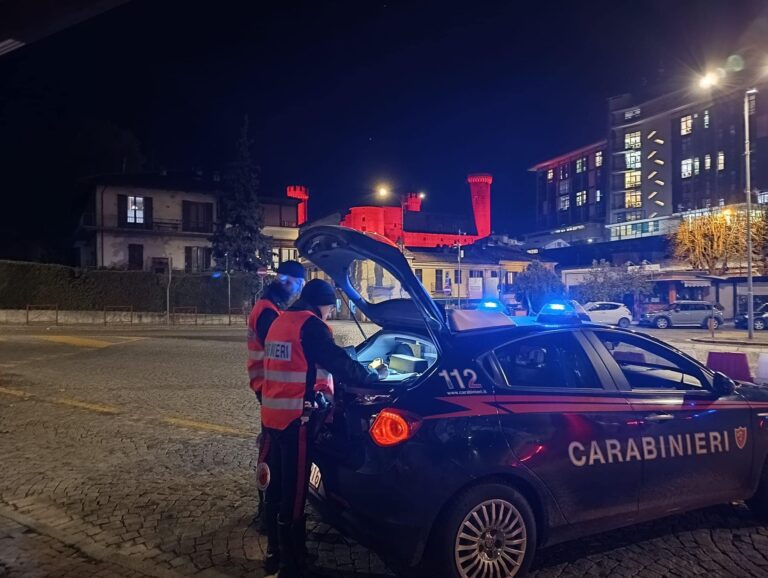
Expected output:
(301, 358)
(277, 296)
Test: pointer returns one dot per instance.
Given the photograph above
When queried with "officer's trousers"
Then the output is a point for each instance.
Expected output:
(289, 462)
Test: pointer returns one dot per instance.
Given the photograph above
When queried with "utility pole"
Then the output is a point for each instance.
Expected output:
(229, 290)
(168, 291)
(461, 277)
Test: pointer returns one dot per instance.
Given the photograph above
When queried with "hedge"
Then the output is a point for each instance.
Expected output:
(23, 284)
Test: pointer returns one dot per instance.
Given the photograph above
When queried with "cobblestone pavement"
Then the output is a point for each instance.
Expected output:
(132, 454)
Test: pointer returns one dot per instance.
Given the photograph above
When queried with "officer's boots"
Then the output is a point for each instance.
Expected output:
(272, 561)
(293, 550)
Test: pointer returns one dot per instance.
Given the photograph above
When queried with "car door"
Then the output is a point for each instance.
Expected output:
(564, 420)
(695, 447)
(597, 313)
(681, 314)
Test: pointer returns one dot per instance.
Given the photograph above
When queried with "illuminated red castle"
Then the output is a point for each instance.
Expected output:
(427, 229)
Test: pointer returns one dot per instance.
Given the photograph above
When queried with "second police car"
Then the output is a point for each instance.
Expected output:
(488, 441)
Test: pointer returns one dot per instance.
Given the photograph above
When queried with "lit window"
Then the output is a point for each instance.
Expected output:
(752, 102)
(762, 197)
(633, 200)
(686, 168)
(550, 174)
(598, 195)
(563, 188)
(686, 125)
(632, 179)
(563, 172)
(706, 119)
(135, 210)
(599, 159)
(721, 161)
(633, 159)
(580, 165)
(565, 203)
(707, 162)
(632, 140)
(581, 198)
(696, 166)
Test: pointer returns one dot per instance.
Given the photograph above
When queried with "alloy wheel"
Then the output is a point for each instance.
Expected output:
(491, 541)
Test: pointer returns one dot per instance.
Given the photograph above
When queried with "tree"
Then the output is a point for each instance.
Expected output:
(717, 241)
(606, 282)
(238, 239)
(537, 285)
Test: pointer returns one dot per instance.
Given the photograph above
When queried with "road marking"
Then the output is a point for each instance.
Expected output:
(97, 407)
(206, 426)
(78, 341)
(14, 392)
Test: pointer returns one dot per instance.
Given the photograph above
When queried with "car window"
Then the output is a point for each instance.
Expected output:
(648, 365)
(555, 360)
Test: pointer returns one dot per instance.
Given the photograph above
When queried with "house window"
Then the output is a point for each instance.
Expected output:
(632, 140)
(457, 276)
(550, 174)
(564, 187)
(197, 217)
(438, 279)
(136, 257)
(707, 162)
(686, 168)
(686, 124)
(419, 275)
(721, 161)
(564, 203)
(632, 159)
(581, 198)
(197, 259)
(135, 210)
(632, 179)
(751, 102)
(706, 119)
(696, 166)
(599, 159)
(762, 197)
(598, 195)
(633, 199)
(475, 274)
(581, 165)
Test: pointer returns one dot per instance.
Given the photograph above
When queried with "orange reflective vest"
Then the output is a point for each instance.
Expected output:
(255, 361)
(286, 372)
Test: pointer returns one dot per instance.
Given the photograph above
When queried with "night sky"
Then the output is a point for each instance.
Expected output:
(344, 95)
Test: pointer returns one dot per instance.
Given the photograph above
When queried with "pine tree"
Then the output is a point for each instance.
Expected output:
(238, 239)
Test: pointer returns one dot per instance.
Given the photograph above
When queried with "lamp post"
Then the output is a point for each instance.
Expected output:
(229, 289)
(748, 190)
(707, 81)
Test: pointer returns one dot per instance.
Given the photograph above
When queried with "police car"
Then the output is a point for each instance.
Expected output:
(488, 440)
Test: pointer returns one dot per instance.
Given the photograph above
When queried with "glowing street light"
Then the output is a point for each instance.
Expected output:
(383, 192)
(709, 80)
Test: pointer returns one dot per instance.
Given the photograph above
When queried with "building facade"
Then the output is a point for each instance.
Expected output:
(408, 225)
(679, 153)
(153, 222)
(571, 193)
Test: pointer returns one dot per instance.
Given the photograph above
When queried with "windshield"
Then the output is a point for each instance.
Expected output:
(374, 283)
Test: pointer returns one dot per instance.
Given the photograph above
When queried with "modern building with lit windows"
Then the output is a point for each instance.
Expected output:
(681, 152)
(571, 198)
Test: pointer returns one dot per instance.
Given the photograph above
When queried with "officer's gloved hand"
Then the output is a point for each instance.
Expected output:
(382, 371)
(307, 413)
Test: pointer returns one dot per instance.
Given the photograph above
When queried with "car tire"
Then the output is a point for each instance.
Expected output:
(661, 323)
(759, 502)
(489, 524)
(759, 324)
(715, 323)
(623, 323)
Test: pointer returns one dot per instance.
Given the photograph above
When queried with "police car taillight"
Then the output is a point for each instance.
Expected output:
(394, 426)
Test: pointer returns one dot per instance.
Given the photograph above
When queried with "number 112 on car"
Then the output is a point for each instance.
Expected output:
(454, 379)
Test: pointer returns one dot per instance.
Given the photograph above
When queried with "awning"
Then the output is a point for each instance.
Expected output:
(697, 283)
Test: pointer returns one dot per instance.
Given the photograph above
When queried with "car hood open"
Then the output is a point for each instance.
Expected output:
(334, 249)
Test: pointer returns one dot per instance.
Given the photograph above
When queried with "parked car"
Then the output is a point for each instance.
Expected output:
(685, 314)
(761, 318)
(609, 313)
(486, 442)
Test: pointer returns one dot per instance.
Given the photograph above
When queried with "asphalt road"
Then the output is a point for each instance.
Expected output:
(130, 452)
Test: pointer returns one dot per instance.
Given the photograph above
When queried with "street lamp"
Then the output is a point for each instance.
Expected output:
(709, 80)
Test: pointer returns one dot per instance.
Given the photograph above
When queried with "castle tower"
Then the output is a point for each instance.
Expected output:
(301, 193)
(480, 189)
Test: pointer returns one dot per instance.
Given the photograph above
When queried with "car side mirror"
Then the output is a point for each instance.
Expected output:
(676, 310)
(723, 385)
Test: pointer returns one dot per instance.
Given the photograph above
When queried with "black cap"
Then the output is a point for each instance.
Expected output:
(318, 292)
(292, 269)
